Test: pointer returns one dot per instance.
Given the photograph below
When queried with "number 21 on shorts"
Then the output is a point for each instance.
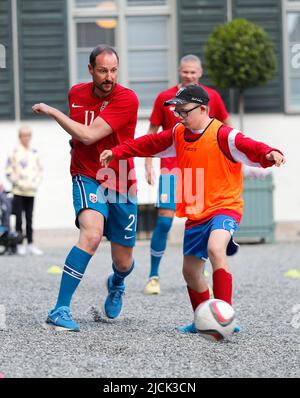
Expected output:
(131, 227)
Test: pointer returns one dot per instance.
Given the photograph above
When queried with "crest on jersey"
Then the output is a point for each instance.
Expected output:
(104, 105)
(164, 198)
(93, 198)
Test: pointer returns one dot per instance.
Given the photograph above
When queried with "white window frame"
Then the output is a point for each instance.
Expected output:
(288, 6)
(124, 11)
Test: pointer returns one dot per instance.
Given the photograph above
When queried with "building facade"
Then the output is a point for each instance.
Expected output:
(44, 48)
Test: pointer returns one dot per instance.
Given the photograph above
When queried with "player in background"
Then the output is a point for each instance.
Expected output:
(190, 71)
(102, 114)
(209, 192)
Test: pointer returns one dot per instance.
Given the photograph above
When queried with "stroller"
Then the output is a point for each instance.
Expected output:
(8, 239)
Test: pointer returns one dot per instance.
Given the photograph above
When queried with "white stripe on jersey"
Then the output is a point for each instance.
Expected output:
(170, 152)
(237, 155)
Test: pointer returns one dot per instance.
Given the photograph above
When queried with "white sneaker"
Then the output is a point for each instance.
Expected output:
(34, 250)
(21, 250)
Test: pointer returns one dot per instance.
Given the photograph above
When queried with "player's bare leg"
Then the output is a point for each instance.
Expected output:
(222, 279)
(121, 256)
(91, 225)
(166, 213)
(217, 244)
(193, 273)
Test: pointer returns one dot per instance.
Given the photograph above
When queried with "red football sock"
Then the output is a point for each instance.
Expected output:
(196, 297)
(222, 285)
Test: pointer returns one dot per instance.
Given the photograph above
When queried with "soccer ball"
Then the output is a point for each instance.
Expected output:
(215, 319)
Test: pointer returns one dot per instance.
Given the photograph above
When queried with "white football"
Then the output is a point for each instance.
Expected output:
(215, 319)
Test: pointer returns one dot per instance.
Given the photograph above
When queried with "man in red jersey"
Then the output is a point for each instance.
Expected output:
(190, 71)
(102, 114)
(210, 184)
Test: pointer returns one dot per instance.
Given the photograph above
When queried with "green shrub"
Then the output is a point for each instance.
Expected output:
(239, 55)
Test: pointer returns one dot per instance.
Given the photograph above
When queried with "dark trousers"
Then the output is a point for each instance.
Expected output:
(24, 204)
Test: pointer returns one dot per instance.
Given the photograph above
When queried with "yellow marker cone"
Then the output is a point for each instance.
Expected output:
(292, 273)
(55, 269)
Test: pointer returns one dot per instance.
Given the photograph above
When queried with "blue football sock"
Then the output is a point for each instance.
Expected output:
(74, 268)
(159, 242)
(118, 276)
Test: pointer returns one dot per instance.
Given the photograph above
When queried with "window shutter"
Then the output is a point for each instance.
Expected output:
(267, 14)
(43, 54)
(7, 110)
(196, 20)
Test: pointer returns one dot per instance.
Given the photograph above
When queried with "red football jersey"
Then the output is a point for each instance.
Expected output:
(119, 110)
(164, 116)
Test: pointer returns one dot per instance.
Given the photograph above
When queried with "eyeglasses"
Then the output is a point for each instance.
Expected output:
(184, 114)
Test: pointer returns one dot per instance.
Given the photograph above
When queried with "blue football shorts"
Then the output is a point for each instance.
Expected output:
(119, 211)
(167, 192)
(196, 238)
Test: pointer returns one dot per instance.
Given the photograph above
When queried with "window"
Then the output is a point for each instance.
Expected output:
(102, 4)
(146, 2)
(292, 63)
(89, 34)
(142, 31)
(147, 59)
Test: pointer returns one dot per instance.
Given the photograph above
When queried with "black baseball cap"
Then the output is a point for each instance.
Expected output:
(185, 95)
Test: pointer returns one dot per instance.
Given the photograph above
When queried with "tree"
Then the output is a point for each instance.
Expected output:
(240, 55)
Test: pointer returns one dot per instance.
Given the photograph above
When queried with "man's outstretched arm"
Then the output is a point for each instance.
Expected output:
(86, 134)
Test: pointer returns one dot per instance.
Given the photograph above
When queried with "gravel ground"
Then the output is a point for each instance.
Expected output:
(143, 341)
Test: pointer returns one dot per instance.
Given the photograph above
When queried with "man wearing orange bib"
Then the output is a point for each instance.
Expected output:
(210, 184)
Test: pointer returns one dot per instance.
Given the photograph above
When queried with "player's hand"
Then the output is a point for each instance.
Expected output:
(105, 157)
(276, 157)
(42, 108)
(149, 171)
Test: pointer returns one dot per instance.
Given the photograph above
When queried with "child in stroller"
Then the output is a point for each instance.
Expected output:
(8, 239)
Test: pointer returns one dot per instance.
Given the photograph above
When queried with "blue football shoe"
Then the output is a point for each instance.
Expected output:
(187, 328)
(237, 329)
(192, 329)
(60, 320)
(114, 301)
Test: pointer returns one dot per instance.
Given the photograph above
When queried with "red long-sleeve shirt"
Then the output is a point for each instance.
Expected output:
(235, 145)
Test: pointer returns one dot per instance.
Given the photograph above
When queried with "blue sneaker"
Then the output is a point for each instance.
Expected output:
(237, 329)
(187, 328)
(113, 303)
(60, 320)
